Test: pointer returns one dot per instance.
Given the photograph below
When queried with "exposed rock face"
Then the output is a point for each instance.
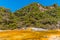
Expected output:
(41, 8)
(58, 25)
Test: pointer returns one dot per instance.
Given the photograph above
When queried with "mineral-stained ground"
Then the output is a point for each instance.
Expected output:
(29, 35)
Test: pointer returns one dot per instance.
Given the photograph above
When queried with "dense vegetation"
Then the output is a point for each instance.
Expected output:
(31, 16)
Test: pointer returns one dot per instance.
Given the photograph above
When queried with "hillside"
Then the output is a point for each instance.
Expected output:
(33, 15)
(36, 15)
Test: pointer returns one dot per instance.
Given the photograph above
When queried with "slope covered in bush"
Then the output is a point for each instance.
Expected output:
(33, 15)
